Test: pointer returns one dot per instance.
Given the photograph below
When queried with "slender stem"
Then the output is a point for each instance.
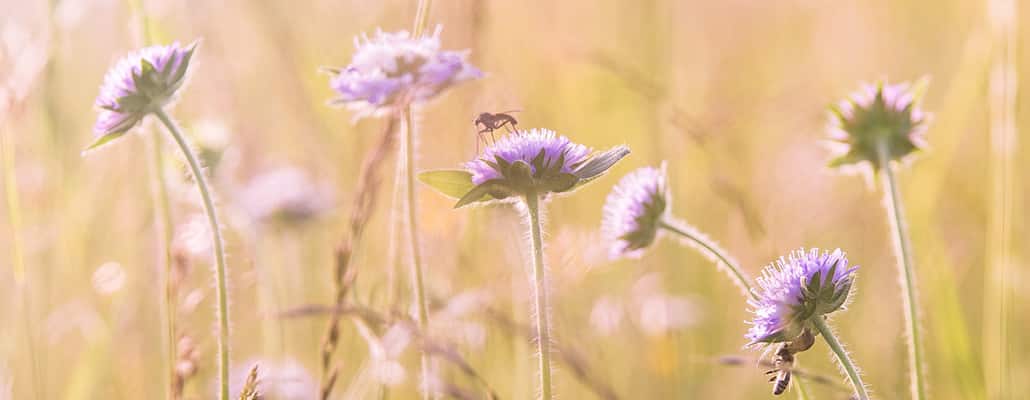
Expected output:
(998, 278)
(906, 269)
(735, 272)
(18, 252)
(412, 222)
(216, 238)
(842, 357)
(421, 17)
(543, 311)
(164, 227)
(800, 385)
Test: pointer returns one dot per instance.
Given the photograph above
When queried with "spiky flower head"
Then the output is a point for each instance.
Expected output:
(391, 70)
(633, 211)
(537, 161)
(881, 116)
(794, 290)
(138, 84)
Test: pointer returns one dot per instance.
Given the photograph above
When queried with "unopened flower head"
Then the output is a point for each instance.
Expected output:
(633, 211)
(880, 117)
(391, 70)
(138, 84)
(805, 285)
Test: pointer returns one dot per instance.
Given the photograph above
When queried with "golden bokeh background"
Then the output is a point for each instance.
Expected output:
(731, 94)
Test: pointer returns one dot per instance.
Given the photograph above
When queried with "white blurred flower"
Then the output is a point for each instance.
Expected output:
(193, 239)
(22, 58)
(286, 194)
(384, 353)
(109, 278)
(454, 323)
(277, 380)
(659, 313)
(606, 315)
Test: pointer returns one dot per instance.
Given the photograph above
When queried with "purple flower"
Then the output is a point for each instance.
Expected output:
(536, 162)
(392, 70)
(633, 211)
(877, 118)
(139, 83)
(542, 150)
(794, 290)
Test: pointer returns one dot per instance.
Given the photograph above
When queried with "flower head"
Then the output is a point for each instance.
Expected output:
(285, 195)
(805, 285)
(391, 70)
(876, 116)
(531, 162)
(633, 211)
(139, 83)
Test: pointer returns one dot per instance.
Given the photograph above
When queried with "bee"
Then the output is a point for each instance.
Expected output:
(783, 362)
(493, 122)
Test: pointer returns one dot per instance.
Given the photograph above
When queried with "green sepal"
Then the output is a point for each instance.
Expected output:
(453, 183)
(600, 163)
(492, 188)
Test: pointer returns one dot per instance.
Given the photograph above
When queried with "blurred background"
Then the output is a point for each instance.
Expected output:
(732, 94)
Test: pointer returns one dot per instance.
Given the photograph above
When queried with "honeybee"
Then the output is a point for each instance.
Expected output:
(783, 362)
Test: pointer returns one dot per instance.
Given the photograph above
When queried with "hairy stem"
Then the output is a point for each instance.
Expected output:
(543, 327)
(221, 285)
(907, 273)
(733, 269)
(411, 201)
(842, 357)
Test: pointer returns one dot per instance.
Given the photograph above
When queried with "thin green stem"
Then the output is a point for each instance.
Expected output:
(906, 269)
(164, 227)
(543, 311)
(735, 273)
(216, 238)
(411, 199)
(842, 357)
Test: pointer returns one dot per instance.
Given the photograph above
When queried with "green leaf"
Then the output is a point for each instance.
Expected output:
(483, 192)
(600, 163)
(453, 183)
(104, 139)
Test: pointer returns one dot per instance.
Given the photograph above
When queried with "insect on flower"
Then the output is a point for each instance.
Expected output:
(493, 122)
(783, 362)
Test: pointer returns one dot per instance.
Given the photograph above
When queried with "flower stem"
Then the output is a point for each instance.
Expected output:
(216, 238)
(734, 271)
(18, 252)
(842, 357)
(164, 227)
(412, 222)
(421, 17)
(543, 328)
(906, 269)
